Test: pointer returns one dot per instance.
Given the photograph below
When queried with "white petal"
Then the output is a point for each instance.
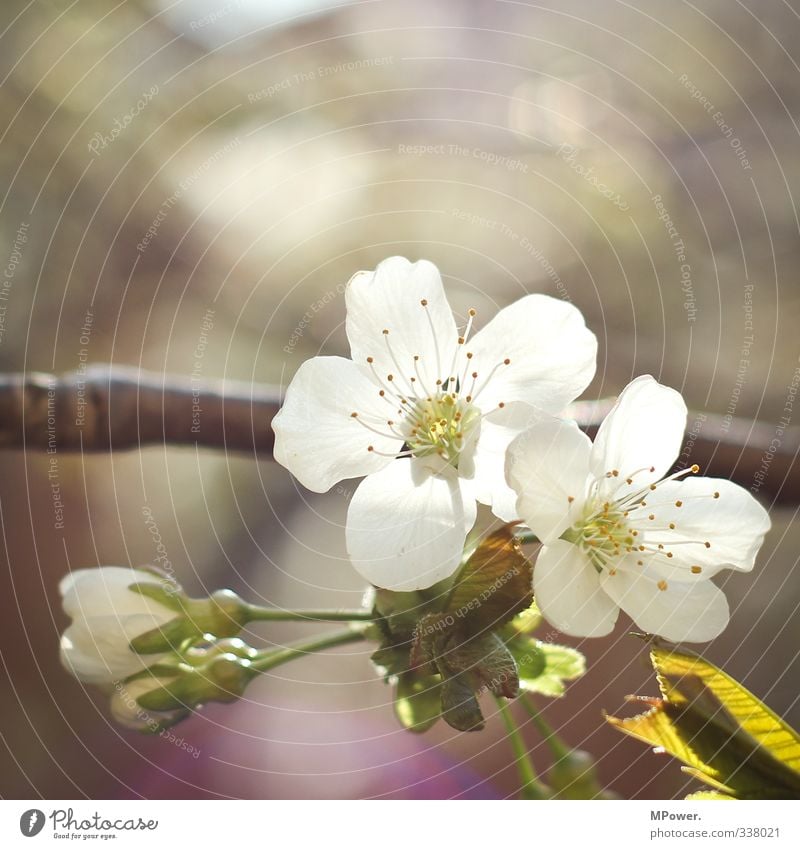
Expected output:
(390, 298)
(644, 430)
(316, 437)
(488, 484)
(96, 650)
(548, 465)
(568, 592)
(693, 612)
(734, 524)
(406, 527)
(551, 351)
(105, 591)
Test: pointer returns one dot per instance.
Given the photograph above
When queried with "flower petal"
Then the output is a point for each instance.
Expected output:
(568, 592)
(552, 355)
(488, 484)
(548, 465)
(679, 611)
(644, 430)
(96, 650)
(316, 437)
(390, 298)
(406, 527)
(734, 524)
(104, 591)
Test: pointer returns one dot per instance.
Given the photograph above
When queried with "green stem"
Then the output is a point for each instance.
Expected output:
(272, 658)
(271, 614)
(532, 788)
(556, 744)
(527, 537)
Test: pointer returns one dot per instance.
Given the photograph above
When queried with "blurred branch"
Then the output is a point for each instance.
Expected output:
(119, 408)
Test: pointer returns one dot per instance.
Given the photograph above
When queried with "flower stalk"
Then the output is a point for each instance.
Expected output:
(532, 787)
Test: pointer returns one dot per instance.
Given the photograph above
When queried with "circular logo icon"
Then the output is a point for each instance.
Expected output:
(31, 822)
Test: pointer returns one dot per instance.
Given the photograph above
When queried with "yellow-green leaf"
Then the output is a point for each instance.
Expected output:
(722, 732)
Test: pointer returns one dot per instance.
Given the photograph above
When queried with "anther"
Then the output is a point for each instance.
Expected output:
(353, 415)
(506, 362)
(424, 302)
(370, 448)
(501, 405)
(679, 504)
(385, 332)
(651, 517)
(472, 313)
(707, 544)
(662, 585)
(672, 526)
(695, 469)
(390, 377)
(716, 495)
(570, 498)
(696, 570)
(370, 360)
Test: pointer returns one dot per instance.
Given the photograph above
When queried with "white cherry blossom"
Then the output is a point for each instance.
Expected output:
(106, 615)
(426, 412)
(617, 533)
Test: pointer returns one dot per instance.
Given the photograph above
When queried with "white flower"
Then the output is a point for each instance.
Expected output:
(106, 616)
(426, 413)
(618, 536)
(128, 712)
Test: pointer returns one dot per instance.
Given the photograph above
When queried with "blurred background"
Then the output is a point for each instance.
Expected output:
(212, 170)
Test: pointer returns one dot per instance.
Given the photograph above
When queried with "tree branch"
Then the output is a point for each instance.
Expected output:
(119, 408)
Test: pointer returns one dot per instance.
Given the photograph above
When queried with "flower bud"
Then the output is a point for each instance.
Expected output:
(573, 776)
(223, 679)
(221, 615)
(106, 616)
(127, 711)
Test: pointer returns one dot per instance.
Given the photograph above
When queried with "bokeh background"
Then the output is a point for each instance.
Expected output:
(167, 163)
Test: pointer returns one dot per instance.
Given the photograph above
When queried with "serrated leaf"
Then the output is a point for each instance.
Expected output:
(494, 585)
(544, 667)
(722, 732)
(418, 701)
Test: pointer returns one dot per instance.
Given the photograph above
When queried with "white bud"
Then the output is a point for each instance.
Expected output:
(106, 615)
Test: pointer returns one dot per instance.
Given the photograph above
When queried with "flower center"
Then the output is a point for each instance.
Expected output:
(436, 419)
(603, 534)
(440, 425)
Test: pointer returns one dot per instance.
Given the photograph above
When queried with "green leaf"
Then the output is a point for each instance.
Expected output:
(494, 585)
(418, 701)
(722, 732)
(544, 667)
